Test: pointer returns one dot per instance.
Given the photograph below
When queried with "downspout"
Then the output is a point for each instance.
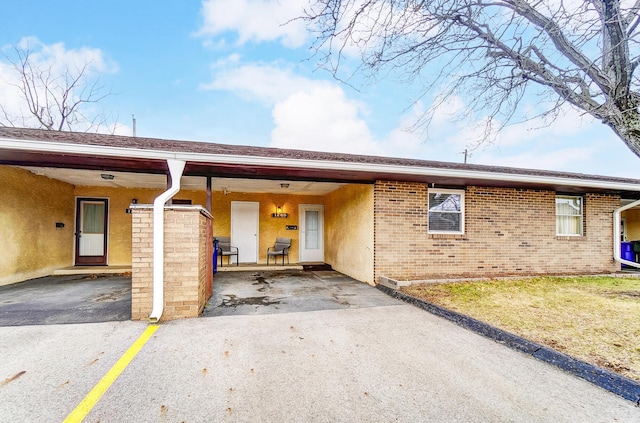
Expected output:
(176, 167)
(616, 234)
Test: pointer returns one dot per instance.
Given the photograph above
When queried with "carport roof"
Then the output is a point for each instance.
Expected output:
(31, 147)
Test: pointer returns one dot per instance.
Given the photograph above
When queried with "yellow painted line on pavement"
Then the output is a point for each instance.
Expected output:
(98, 391)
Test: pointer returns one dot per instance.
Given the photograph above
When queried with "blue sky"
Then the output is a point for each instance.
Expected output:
(228, 71)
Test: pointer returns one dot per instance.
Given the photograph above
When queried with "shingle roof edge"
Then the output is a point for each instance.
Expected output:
(211, 148)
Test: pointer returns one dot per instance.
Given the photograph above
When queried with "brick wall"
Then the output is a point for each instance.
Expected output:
(187, 262)
(507, 232)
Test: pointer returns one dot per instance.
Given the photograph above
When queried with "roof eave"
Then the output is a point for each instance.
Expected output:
(365, 170)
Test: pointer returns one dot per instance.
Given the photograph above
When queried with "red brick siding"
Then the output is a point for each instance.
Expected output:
(507, 232)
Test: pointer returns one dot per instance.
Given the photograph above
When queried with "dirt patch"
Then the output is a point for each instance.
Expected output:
(235, 301)
(12, 378)
(260, 280)
(316, 267)
(112, 296)
(632, 294)
(340, 300)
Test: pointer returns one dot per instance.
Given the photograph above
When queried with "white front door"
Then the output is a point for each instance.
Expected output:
(244, 230)
(311, 233)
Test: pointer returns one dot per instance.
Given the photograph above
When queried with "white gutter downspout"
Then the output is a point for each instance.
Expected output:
(616, 235)
(176, 167)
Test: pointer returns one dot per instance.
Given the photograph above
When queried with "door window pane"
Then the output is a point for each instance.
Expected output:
(93, 218)
(311, 241)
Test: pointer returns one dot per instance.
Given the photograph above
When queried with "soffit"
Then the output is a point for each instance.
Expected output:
(131, 155)
(86, 177)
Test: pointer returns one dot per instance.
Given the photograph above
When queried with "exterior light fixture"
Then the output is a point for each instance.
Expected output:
(133, 201)
(279, 213)
(107, 176)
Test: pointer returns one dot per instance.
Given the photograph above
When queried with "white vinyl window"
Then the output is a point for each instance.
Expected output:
(446, 211)
(568, 215)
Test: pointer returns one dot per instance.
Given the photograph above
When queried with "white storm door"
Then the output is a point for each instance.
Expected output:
(311, 233)
(244, 230)
(91, 231)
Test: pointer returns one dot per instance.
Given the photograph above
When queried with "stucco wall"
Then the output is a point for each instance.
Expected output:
(119, 243)
(30, 206)
(349, 231)
(507, 232)
(632, 220)
(270, 227)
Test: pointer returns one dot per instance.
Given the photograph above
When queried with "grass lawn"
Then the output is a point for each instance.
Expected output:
(595, 319)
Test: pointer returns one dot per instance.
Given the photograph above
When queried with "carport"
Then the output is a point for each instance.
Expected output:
(118, 175)
(62, 299)
(93, 298)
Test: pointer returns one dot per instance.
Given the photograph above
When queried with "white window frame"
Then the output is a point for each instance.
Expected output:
(459, 192)
(581, 215)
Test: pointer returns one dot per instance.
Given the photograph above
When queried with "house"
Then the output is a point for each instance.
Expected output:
(76, 199)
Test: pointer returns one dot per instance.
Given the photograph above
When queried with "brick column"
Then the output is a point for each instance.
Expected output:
(187, 261)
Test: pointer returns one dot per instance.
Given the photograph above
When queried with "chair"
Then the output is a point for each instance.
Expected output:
(226, 249)
(280, 248)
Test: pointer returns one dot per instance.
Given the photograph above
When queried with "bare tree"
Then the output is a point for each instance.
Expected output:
(584, 53)
(52, 97)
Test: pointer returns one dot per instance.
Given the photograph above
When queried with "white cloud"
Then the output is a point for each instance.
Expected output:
(60, 58)
(256, 20)
(266, 83)
(307, 114)
(322, 118)
(118, 128)
(574, 142)
(446, 109)
(59, 65)
(568, 159)
(406, 139)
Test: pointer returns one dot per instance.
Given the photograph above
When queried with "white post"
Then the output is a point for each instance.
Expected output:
(616, 235)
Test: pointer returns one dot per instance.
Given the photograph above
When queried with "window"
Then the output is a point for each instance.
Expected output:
(446, 211)
(568, 215)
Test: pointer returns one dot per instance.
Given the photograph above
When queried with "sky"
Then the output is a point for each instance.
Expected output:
(235, 72)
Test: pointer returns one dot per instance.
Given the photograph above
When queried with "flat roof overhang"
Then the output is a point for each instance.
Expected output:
(95, 157)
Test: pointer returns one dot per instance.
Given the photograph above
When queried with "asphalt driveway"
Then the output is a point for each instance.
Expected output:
(354, 355)
(368, 364)
(66, 299)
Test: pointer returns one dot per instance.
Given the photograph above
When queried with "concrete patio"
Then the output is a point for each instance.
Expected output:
(288, 291)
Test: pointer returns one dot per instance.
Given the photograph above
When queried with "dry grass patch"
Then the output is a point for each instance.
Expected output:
(595, 319)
